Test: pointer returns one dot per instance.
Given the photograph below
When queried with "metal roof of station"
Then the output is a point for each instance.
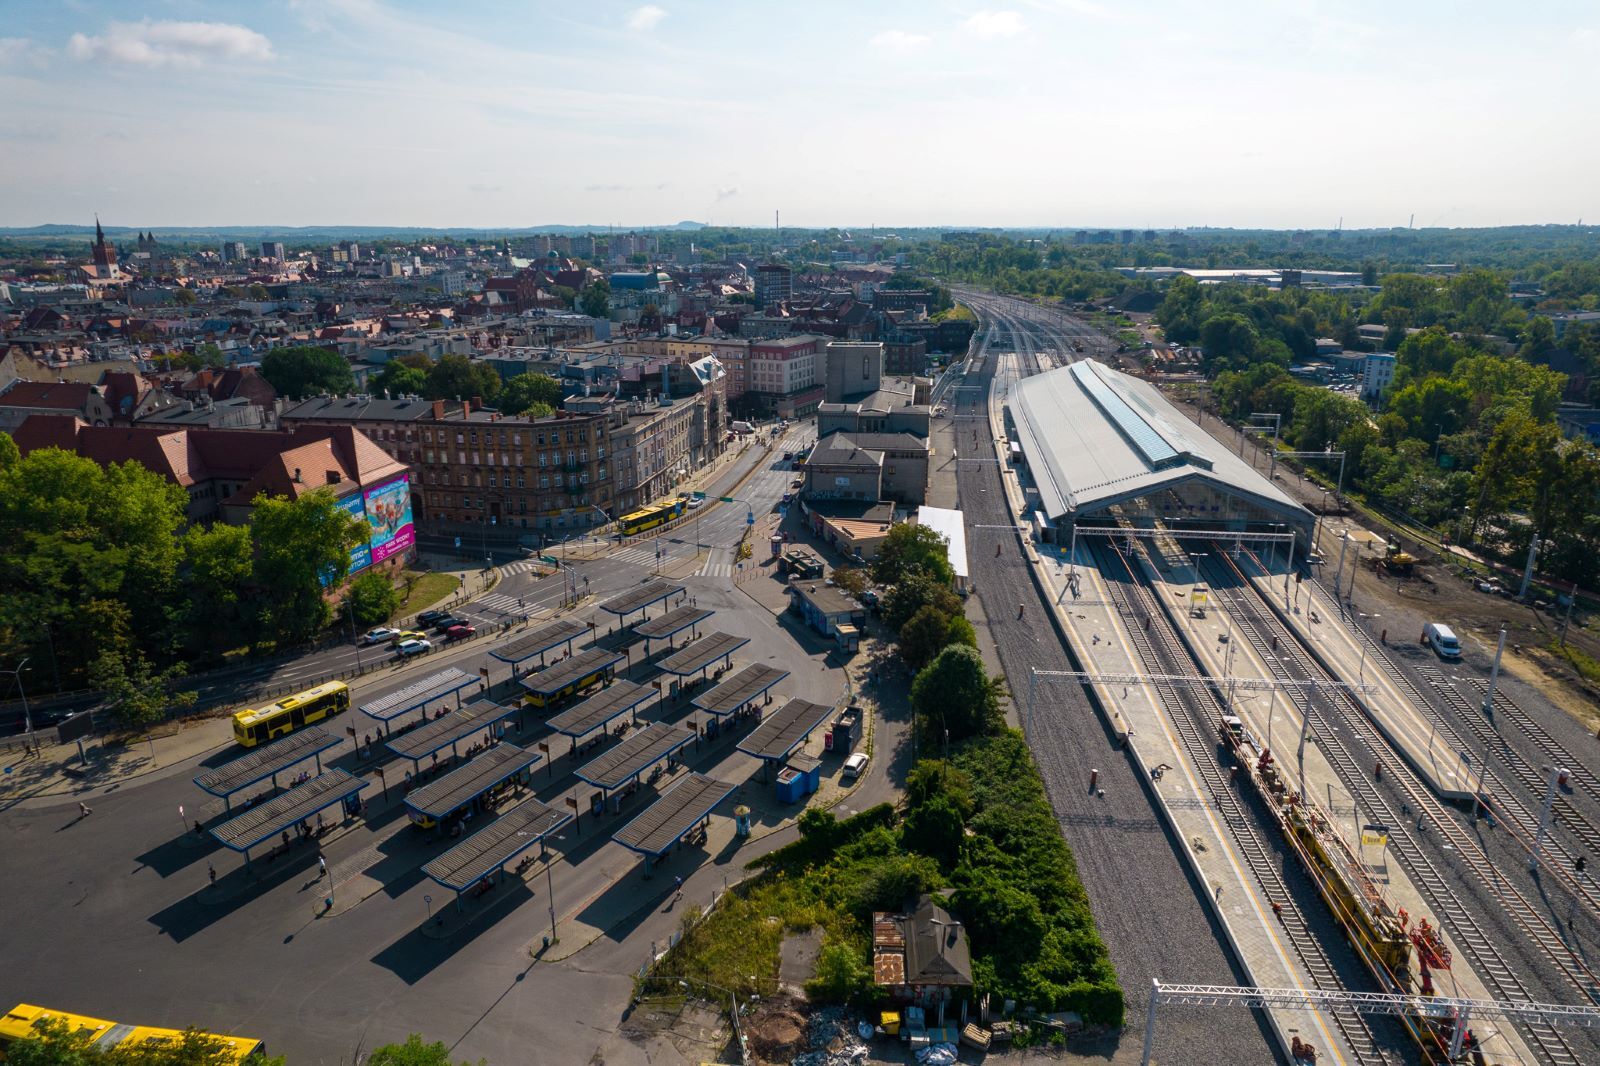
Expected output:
(461, 786)
(679, 809)
(785, 729)
(490, 848)
(674, 621)
(598, 710)
(439, 733)
(266, 820)
(740, 689)
(634, 755)
(640, 598)
(420, 693)
(541, 640)
(696, 656)
(1095, 437)
(261, 763)
(559, 675)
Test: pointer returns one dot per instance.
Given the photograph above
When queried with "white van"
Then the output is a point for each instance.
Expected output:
(1442, 639)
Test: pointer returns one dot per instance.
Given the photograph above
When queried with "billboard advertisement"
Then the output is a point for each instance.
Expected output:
(389, 513)
(361, 554)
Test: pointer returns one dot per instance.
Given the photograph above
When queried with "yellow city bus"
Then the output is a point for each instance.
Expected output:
(651, 517)
(24, 1020)
(252, 727)
(567, 691)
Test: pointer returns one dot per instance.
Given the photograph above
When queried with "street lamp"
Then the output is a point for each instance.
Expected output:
(27, 715)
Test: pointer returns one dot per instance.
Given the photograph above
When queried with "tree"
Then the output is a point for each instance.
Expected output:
(934, 829)
(1538, 338)
(372, 598)
(1229, 340)
(457, 377)
(930, 631)
(851, 580)
(210, 356)
(10, 454)
(917, 590)
(526, 391)
(955, 693)
(220, 560)
(595, 300)
(184, 297)
(302, 546)
(301, 370)
(412, 1053)
(138, 695)
(909, 547)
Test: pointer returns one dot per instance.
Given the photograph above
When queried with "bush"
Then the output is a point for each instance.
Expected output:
(842, 973)
(373, 598)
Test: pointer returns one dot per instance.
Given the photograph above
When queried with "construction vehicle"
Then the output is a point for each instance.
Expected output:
(1397, 560)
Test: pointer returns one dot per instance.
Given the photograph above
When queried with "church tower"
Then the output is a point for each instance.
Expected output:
(105, 255)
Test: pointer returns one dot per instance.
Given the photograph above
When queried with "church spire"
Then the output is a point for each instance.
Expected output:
(99, 234)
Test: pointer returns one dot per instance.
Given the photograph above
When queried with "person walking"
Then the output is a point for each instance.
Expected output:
(84, 810)
(211, 872)
(678, 884)
(322, 867)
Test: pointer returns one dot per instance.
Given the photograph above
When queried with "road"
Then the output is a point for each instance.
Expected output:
(1161, 930)
(110, 915)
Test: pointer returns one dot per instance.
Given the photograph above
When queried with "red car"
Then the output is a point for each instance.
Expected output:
(460, 632)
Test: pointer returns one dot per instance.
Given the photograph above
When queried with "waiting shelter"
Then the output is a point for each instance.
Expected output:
(485, 853)
(738, 694)
(540, 642)
(570, 676)
(449, 730)
(682, 810)
(640, 599)
(621, 767)
(668, 626)
(775, 739)
(600, 710)
(418, 694)
(268, 820)
(693, 660)
(265, 762)
(457, 790)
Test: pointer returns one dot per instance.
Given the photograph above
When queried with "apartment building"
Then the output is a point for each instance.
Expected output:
(784, 374)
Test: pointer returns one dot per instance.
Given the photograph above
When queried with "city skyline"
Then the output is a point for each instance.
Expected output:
(1044, 113)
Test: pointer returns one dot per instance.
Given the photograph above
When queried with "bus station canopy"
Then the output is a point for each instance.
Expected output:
(439, 733)
(785, 729)
(267, 760)
(599, 710)
(487, 851)
(651, 592)
(541, 640)
(672, 623)
(461, 786)
(678, 810)
(559, 675)
(634, 755)
(435, 686)
(747, 685)
(266, 820)
(698, 655)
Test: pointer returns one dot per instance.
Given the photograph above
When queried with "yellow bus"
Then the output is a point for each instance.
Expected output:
(25, 1020)
(651, 517)
(252, 727)
(571, 689)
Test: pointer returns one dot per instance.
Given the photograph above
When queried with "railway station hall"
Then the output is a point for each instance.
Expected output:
(1106, 448)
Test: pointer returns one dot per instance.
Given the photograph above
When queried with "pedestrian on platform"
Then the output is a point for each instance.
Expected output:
(211, 872)
(322, 867)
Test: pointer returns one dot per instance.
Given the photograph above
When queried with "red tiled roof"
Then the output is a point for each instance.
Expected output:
(51, 395)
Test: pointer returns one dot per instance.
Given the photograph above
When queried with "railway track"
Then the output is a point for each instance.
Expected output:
(1259, 626)
(1193, 713)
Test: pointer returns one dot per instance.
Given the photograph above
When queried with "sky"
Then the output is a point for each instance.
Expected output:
(1142, 113)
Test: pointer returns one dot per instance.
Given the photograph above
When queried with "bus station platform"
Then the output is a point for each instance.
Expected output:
(267, 820)
(669, 625)
(448, 731)
(539, 642)
(636, 754)
(740, 690)
(417, 695)
(679, 811)
(640, 599)
(697, 657)
(269, 760)
(788, 727)
(600, 710)
(548, 684)
(441, 798)
(486, 852)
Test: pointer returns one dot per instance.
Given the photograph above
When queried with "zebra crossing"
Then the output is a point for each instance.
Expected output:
(497, 601)
(521, 566)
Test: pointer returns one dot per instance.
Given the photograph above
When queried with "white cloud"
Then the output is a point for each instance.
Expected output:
(159, 44)
(900, 40)
(22, 52)
(726, 192)
(994, 23)
(646, 18)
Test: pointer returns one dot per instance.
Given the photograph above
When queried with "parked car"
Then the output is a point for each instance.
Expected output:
(407, 648)
(448, 621)
(460, 632)
(403, 635)
(855, 765)
(1442, 639)
(380, 635)
(428, 618)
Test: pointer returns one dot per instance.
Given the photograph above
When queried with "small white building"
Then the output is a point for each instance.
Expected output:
(1379, 374)
(952, 527)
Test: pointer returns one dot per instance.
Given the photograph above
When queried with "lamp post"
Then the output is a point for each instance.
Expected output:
(27, 715)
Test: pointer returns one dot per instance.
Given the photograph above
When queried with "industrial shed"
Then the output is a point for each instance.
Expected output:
(1103, 446)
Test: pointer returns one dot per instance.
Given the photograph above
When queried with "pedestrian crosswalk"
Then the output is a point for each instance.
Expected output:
(498, 601)
(521, 566)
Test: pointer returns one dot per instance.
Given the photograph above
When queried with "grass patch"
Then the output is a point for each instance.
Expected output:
(424, 589)
(1586, 665)
(980, 825)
